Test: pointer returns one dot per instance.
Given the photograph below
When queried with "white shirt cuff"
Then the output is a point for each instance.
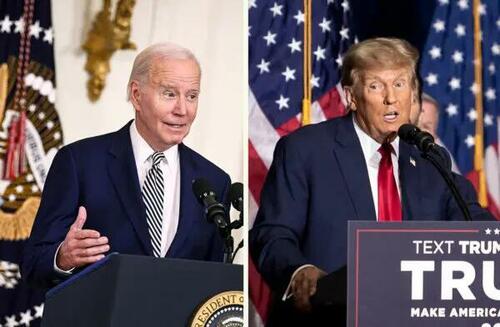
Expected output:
(59, 270)
(288, 294)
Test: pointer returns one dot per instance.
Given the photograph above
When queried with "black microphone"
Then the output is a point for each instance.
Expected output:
(413, 135)
(236, 196)
(215, 211)
(425, 143)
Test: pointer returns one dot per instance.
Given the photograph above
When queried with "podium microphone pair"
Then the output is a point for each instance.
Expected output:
(216, 212)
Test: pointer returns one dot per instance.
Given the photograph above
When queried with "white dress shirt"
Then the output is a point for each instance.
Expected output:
(172, 177)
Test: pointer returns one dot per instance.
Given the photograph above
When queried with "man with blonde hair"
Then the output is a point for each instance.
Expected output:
(130, 191)
(349, 168)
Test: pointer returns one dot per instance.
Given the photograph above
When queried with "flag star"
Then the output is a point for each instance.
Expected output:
(19, 25)
(460, 30)
(289, 74)
(270, 38)
(452, 110)
(49, 35)
(491, 69)
(490, 94)
(282, 102)
(488, 231)
(35, 30)
(443, 2)
(328, 2)
(344, 33)
(276, 9)
(482, 9)
(454, 83)
(19, 188)
(435, 52)
(463, 4)
(498, 23)
(11, 321)
(26, 318)
(431, 79)
(252, 4)
(325, 25)
(472, 114)
(469, 140)
(314, 81)
(339, 60)
(474, 88)
(319, 53)
(345, 5)
(457, 57)
(249, 29)
(488, 119)
(439, 25)
(6, 24)
(299, 17)
(38, 311)
(294, 45)
(497, 231)
(263, 66)
(495, 49)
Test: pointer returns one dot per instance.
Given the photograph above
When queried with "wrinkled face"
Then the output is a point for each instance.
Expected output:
(166, 105)
(428, 120)
(382, 103)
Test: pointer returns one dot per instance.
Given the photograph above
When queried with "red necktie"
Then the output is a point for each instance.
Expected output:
(389, 206)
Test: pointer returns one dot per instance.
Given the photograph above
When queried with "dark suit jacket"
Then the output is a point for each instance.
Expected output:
(100, 174)
(318, 181)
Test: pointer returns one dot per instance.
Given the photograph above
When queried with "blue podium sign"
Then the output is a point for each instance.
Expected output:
(424, 274)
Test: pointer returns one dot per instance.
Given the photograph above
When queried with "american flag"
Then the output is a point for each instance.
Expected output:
(447, 69)
(27, 95)
(276, 66)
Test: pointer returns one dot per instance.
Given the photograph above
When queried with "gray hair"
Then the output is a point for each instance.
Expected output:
(166, 50)
(426, 97)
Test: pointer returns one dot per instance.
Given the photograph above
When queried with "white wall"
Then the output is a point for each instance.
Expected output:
(212, 29)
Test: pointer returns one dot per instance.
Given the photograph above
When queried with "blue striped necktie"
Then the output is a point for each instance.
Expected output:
(152, 194)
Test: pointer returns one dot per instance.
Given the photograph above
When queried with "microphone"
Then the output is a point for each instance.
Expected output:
(413, 135)
(215, 211)
(236, 196)
(425, 143)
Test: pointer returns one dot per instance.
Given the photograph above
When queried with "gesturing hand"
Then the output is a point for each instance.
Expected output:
(81, 246)
(304, 286)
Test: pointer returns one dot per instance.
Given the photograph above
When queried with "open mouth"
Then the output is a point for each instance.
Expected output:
(177, 126)
(391, 116)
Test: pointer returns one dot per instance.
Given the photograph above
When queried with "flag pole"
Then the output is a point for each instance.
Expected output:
(306, 101)
(479, 134)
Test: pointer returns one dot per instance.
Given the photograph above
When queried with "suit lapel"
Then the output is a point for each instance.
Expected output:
(187, 209)
(349, 155)
(409, 177)
(123, 173)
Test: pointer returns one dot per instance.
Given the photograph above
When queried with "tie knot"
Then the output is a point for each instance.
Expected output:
(157, 158)
(385, 149)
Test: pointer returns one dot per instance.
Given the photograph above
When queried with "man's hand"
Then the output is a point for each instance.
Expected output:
(81, 246)
(304, 286)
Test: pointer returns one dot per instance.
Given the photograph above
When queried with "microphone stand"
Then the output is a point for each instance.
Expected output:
(449, 181)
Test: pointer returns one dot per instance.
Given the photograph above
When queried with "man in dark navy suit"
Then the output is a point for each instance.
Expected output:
(130, 191)
(350, 168)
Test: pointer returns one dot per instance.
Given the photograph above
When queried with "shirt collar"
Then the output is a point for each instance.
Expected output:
(143, 151)
(370, 146)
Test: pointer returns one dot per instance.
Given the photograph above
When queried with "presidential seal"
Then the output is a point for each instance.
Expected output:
(222, 310)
